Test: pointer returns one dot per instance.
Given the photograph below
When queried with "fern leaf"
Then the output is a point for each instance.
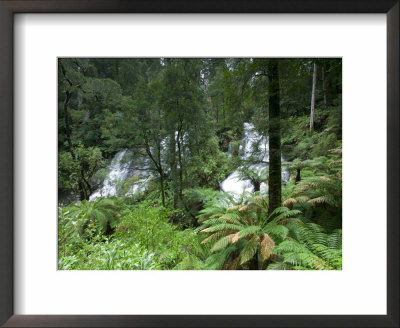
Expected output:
(289, 202)
(249, 250)
(249, 231)
(222, 243)
(279, 231)
(222, 227)
(213, 237)
(267, 247)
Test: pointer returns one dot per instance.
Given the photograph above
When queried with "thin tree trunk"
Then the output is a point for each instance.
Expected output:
(260, 261)
(161, 170)
(256, 185)
(178, 140)
(324, 87)
(216, 110)
(172, 165)
(162, 189)
(298, 176)
(66, 120)
(314, 85)
(275, 179)
(157, 164)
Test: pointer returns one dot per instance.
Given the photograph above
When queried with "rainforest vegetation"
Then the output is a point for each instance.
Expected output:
(199, 164)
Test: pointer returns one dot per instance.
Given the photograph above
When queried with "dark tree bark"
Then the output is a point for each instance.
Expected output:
(179, 144)
(66, 120)
(256, 185)
(324, 87)
(314, 86)
(157, 164)
(275, 179)
(173, 166)
(298, 176)
(84, 186)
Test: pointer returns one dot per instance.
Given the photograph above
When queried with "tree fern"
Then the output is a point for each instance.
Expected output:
(309, 248)
(247, 231)
(100, 215)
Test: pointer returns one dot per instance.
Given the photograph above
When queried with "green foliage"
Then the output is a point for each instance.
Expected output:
(319, 193)
(106, 254)
(310, 248)
(209, 166)
(177, 118)
(299, 143)
(88, 218)
(243, 235)
(143, 239)
(76, 173)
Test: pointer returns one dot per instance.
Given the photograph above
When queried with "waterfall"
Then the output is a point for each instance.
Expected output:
(230, 149)
(119, 170)
(254, 148)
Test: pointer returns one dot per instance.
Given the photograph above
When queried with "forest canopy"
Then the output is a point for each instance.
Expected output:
(200, 163)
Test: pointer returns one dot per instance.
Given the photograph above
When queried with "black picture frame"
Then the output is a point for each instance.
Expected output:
(10, 7)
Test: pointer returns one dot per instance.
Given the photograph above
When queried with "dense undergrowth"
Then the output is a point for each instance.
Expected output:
(214, 230)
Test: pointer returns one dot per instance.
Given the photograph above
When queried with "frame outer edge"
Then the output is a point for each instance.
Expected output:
(6, 176)
(204, 6)
(393, 181)
(6, 164)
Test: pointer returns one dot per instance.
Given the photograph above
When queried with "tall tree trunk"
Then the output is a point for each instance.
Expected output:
(324, 87)
(173, 167)
(178, 140)
(84, 186)
(157, 163)
(314, 85)
(162, 188)
(275, 176)
(66, 120)
(160, 167)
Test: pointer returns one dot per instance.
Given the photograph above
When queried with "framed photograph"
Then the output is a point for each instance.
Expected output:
(206, 164)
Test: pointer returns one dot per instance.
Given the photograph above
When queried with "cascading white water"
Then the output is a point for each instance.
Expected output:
(118, 172)
(256, 147)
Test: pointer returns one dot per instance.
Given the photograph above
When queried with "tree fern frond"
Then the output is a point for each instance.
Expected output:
(332, 256)
(233, 265)
(334, 240)
(279, 231)
(222, 243)
(267, 247)
(279, 266)
(284, 215)
(289, 202)
(232, 217)
(213, 237)
(222, 227)
(249, 250)
(250, 230)
(289, 246)
(314, 201)
(216, 260)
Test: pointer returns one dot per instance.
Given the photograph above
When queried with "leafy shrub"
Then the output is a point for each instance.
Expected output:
(108, 254)
(144, 238)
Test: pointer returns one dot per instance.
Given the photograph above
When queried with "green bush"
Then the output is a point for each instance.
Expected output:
(144, 239)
